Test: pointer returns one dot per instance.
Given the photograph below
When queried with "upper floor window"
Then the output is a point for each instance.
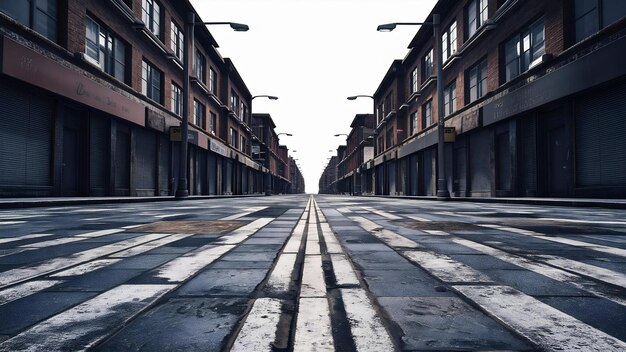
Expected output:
(476, 16)
(592, 15)
(476, 81)
(388, 104)
(414, 86)
(234, 138)
(199, 114)
(234, 102)
(448, 42)
(427, 114)
(151, 16)
(151, 82)
(413, 122)
(427, 65)
(105, 50)
(212, 122)
(243, 142)
(244, 112)
(177, 41)
(524, 50)
(389, 141)
(177, 100)
(40, 15)
(449, 99)
(200, 66)
(212, 81)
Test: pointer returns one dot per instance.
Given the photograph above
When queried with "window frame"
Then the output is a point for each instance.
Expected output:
(150, 70)
(449, 42)
(177, 41)
(427, 65)
(176, 100)
(212, 122)
(449, 98)
(481, 90)
(427, 114)
(107, 56)
(413, 121)
(152, 17)
(212, 81)
(414, 87)
(522, 64)
(480, 10)
(199, 66)
(199, 114)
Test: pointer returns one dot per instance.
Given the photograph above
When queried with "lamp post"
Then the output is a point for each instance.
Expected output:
(442, 189)
(354, 97)
(270, 97)
(182, 189)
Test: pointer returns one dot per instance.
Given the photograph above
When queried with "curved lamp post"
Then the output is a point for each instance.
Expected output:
(442, 189)
(270, 97)
(189, 42)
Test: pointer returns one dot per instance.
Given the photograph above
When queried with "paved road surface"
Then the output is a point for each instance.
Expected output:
(297, 273)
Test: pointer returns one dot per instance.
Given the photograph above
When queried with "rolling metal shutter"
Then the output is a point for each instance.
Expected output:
(528, 155)
(99, 138)
(164, 165)
(480, 168)
(122, 161)
(601, 138)
(145, 160)
(429, 172)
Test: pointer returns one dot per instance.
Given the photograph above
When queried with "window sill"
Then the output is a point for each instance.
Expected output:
(125, 11)
(140, 26)
(176, 60)
(427, 83)
(200, 85)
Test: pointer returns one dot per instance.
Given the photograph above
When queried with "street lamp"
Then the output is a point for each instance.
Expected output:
(442, 189)
(287, 134)
(341, 134)
(354, 97)
(270, 97)
(189, 42)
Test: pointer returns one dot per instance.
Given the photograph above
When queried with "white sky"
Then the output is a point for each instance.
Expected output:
(313, 54)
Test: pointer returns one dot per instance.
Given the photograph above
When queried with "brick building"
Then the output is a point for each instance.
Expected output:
(359, 148)
(271, 154)
(296, 185)
(535, 91)
(92, 95)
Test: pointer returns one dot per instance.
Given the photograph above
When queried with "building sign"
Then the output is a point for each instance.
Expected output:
(29, 66)
(177, 136)
(449, 134)
(219, 148)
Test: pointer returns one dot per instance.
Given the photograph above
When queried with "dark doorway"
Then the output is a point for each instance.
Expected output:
(558, 154)
(72, 165)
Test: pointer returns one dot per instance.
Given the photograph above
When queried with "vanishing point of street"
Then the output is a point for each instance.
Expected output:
(312, 273)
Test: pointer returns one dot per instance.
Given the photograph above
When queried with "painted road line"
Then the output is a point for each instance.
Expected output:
(578, 221)
(100, 233)
(187, 265)
(17, 275)
(241, 234)
(259, 330)
(598, 273)
(82, 327)
(332, 244)
(445, 268)
(390, 238)
(313, 284)
(312, 239)
(417, 218)
(165, 216)
(436, 232)
(129, 227)
(51, 243)
(246, 212)
(150, 245)
(293, 245)
(543, 269)
(280, 278)
(26, 289)
(547, 327)
(344, 274)
(368, 331)
(382, 213)
(25, 237)
(592, 246)
(313, 330)
(86, 268)
(12, 222)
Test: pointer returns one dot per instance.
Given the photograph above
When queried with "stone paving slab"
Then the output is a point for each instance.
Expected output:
(402, 283)
(98, 281)
(223, 282)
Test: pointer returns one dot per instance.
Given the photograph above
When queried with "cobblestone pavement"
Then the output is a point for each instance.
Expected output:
(302, 273)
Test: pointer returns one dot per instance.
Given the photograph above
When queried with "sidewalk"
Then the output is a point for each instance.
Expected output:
(15, 203)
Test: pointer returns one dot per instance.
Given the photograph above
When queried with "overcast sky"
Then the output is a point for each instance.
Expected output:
(313, 54)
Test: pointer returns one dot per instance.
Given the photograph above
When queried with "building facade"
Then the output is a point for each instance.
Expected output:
(269, 153)
(92, 99)
(534, 99)
(296, 186)
(359, 148)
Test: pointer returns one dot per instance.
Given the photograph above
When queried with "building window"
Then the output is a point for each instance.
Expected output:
(212, 81)
(414, 86)
(234, 138)
(524, 50)
(105, 50)
(244, 112)
(476, 81)
(592, 15)
(448, 42)
(389, 141)
(151, 16)
(199, 114)
(234, 102)
(151, 81)
(200, 66)
(177, 41)
(427, 114)
(449, 99)
(476, 16)
(413, 123)
(177, 100)
(381, 144)
(212, 122)
(242, 144)
(41, 15)
(388, 104)
(427, 66)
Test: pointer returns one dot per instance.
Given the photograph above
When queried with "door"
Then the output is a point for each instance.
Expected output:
(71, 163)
(558, 154)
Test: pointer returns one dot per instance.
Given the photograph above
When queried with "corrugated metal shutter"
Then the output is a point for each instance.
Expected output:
(413, 174)
(122, 161)
(164, 164)
(145, 160)
(212, 173)
(99, 138)
(25, 138)
(459, 172)
(480, 168)
(528, 155)
(429, 172)
(503, 162)
(601, 138)
(391, 171)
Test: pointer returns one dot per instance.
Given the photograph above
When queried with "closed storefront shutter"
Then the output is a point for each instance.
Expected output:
(480, 168)
(429, 172)
(528, 156)
(145, 161)
(122, 160)
(503, 162)
(459, 171)
(25, 139)
(99, 137)
(601, 138)
(164, 164)
(212, 173)
(391, 171)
